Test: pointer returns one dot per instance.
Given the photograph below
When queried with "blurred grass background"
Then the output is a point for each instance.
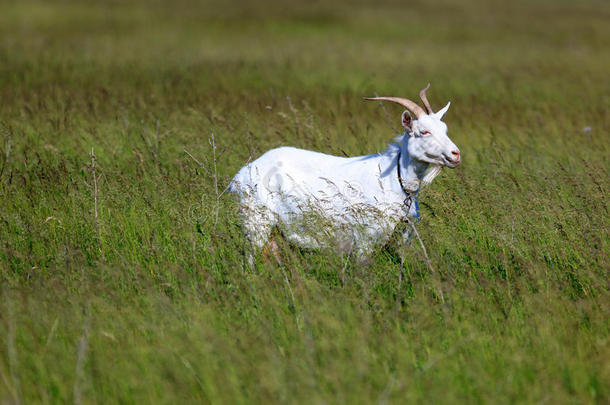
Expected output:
(150, 301)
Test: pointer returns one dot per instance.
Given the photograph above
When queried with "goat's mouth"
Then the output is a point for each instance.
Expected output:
(451, 163)
(443, 160)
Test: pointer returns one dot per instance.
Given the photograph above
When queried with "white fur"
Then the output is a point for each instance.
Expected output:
(351, 204)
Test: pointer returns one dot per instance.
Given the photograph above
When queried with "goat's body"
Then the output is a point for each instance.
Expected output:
(351, 204)
(319, 200)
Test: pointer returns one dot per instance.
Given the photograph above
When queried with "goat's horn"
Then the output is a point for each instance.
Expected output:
(408, 104)
(422, 95)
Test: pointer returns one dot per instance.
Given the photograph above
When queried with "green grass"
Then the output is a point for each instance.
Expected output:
(151, 302)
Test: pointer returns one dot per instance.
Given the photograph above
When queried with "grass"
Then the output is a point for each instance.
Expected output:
(150, 301)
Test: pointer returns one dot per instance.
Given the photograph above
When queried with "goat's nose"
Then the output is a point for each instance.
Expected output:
(456, 154)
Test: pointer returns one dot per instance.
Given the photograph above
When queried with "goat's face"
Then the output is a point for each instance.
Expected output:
(428, 140)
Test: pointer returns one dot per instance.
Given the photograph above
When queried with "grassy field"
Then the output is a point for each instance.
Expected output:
(149, 301)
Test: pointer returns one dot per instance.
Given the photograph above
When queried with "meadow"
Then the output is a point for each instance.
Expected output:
(122, 277)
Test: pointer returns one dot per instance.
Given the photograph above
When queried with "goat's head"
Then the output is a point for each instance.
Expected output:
(428, 141)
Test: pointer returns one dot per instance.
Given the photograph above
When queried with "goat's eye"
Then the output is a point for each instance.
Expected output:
(426, 133)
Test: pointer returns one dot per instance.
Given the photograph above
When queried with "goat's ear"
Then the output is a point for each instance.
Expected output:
(407, 121)
(439, 114)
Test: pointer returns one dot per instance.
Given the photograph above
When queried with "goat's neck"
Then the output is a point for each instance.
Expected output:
(411, 170)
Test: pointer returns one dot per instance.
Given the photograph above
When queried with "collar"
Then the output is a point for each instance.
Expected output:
(410, 196)
(404, 188)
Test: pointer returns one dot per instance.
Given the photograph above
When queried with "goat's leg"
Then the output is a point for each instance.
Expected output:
(257, 229)
(364, 255)
(272, 247)
(256, 242)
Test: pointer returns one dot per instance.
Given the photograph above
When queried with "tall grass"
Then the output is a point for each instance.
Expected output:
(150, 301)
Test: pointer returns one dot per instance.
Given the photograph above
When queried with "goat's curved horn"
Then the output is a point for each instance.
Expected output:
(422, 95)
(408, 104)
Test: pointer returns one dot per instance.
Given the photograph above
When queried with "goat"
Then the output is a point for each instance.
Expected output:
(349, 203)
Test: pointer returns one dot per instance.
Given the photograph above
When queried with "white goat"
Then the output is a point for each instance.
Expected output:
(351, 204)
